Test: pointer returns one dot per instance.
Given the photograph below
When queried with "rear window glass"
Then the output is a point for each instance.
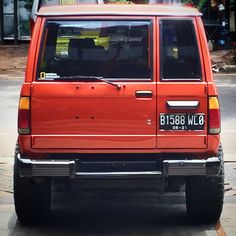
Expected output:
(109, 49)
(179, 50)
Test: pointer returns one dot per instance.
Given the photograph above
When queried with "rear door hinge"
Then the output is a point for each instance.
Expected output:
(31, 89)
(32, 140)
(205, 140)
(206, 89)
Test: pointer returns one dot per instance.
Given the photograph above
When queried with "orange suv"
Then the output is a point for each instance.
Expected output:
(119, 91)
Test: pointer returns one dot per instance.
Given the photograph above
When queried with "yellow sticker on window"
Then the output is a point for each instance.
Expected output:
(67, 2)
(42, 75)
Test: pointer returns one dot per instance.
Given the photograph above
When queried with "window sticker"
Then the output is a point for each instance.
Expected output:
(49, 76)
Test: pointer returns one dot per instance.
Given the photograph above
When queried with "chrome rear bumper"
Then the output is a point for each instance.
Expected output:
(208, 167)
(70, 169)
(47, 168)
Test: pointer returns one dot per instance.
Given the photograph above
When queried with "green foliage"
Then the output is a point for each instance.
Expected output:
(200, 4)
(28, 4)
(24, 29)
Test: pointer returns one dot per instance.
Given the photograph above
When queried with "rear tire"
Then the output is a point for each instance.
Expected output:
(205, 195)
(32, 197)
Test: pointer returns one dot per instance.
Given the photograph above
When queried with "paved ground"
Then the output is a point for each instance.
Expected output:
(12, 61)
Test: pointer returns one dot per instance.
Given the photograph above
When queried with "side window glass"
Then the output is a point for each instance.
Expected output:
(179, 50)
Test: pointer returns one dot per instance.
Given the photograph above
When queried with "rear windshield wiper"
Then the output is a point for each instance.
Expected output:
(100, 78)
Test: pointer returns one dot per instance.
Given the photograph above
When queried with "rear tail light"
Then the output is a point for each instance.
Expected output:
(214, 115)
(24, 116)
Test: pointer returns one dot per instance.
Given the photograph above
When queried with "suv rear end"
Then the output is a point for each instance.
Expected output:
(110, 94)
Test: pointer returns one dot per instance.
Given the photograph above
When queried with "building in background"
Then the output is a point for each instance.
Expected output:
(219, 17)
(14, 18)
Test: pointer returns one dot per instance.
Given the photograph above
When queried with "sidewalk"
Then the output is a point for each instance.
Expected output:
(13, 61)
(224, 61)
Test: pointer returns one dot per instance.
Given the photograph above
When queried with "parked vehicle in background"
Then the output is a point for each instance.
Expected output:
(42, 3)
(119, 91)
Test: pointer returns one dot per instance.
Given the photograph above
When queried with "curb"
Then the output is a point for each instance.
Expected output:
(224, 74)
(229, 68)
(222, 68)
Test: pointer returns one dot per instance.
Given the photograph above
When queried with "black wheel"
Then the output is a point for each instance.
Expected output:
(32, 197)
(205, 195)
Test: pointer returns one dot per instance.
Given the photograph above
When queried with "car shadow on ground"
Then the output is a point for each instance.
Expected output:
(119, 212)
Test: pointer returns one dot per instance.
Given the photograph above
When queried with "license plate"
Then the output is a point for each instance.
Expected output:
(182, 121)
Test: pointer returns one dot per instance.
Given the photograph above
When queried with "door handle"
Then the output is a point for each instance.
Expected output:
(182, 104)
(143, 94)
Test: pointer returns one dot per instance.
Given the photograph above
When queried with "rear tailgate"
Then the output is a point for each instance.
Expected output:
(95, 90)
(94, 116)
(181, 90)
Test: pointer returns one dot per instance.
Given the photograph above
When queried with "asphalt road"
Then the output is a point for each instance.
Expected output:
(227, 87)
(120, 211)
